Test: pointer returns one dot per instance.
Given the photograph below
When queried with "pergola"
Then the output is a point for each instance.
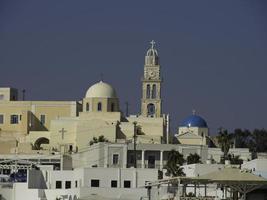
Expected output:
(241, 181)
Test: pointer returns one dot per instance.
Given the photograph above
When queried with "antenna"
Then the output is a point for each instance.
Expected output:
(127, 108)
(23, 94)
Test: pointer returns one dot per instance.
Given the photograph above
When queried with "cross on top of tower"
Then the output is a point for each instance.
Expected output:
(152, 44)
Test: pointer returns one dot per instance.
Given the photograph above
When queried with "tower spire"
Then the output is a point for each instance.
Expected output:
(151, 98)
(152, 44)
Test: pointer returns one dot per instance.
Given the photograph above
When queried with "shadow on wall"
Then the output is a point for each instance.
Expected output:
(36, 180)
(39, 142)
(36, 124)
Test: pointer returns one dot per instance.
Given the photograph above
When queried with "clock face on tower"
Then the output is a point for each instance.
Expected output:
(152, 74)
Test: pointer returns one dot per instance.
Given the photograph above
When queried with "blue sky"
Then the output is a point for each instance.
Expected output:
(213, 54)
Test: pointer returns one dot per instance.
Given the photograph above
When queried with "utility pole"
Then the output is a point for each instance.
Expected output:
(127, 109)
(135, 154)
(23, 94)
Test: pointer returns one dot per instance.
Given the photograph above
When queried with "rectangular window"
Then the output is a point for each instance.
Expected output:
(67, 184)
(114, 184)
(94, 183)
(2, 97)
(1, 119)
(127, 184)
(115, 159)
(76, 184)
(14, 119)
(58, 184)
(42, 119)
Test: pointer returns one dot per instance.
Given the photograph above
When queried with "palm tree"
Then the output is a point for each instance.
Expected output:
(193, 158)
(175, 160)
(225, 141)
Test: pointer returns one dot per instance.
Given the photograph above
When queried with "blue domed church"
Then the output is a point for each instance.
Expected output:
(193, 130)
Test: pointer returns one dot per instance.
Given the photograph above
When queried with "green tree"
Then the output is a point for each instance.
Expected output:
(193, 158)
(235, 160)
(175, 160)
(225, 141)
(259, 140)
(101, 138)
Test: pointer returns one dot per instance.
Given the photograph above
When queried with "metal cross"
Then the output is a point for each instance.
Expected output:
(62, 131)
(152, 44)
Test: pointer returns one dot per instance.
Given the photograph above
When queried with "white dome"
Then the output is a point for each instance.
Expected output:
(101, 90)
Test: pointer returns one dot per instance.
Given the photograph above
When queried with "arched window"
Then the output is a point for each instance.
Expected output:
(99, 106)
(148, 91)
(151, 110)
(87, 107)
(154, 91)
(112, 108)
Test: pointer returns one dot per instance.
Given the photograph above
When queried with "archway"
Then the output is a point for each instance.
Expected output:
(39, 142)
(151, 110)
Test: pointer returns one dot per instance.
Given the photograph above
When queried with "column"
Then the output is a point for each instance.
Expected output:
(143, 159)
(161, 160)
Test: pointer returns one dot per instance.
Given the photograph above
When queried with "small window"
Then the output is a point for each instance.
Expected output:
(154, 92)
(112, 107)
(99, 106)
(87, 107)
(115, 159)
(148, 91)
(14, 119)
(131, 159)
(114, 184)
(42, 119)
(2, 97)
(76, 184)
(58, 184)
(127, 184)
(67, 184)
(1, 119)
(94, 183)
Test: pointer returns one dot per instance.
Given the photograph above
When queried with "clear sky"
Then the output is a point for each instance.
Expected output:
(213, 53)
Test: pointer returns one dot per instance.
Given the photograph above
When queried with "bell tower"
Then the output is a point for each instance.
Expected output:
(151, 84)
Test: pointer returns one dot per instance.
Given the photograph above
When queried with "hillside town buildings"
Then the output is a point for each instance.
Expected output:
(46, 154)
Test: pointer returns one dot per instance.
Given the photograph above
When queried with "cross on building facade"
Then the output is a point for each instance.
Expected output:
(62, 131)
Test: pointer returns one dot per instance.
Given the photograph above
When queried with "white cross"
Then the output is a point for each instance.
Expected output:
(152, 44)
(62, 131)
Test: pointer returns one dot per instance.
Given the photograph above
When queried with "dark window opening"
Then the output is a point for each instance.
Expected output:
(67, 184)
(1, 119)
(94, 183)
(112, 107)
(154, 91)
(58, 184)
(148, 91)
(99, 106)
(114, 184)
(14, 119)
(127, 184)
(115, 159)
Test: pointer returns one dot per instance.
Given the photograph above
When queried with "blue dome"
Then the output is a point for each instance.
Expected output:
(194, 121)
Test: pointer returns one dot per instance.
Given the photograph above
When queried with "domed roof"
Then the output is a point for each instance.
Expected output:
(194, 121)
(101, 90)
